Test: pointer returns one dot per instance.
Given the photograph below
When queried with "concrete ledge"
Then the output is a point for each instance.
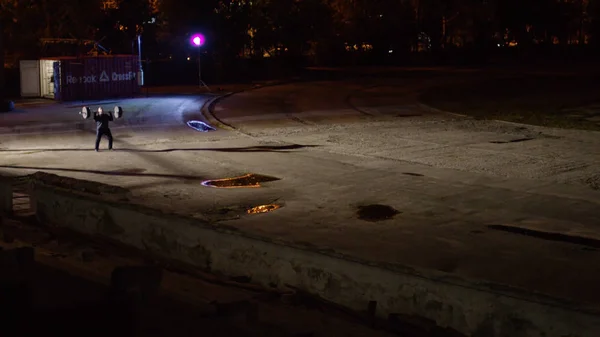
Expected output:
(79, 185)
(472, 308)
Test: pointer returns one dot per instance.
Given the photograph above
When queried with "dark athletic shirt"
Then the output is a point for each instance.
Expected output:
(102, 120)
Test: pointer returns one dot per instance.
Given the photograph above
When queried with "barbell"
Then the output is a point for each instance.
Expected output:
(86, 112)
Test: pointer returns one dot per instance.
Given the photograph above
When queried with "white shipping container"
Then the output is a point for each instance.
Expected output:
(30, 78)
(37, 78)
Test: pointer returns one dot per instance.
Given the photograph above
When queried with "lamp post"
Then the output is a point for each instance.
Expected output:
(197, 40)
(141, 70)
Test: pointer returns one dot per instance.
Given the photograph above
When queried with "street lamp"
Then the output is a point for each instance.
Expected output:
(141, 70)
(197, 40)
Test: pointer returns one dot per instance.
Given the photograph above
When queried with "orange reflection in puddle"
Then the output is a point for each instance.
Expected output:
(246, 181)
(263, 209)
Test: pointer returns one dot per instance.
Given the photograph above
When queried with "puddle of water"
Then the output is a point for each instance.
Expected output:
(376, 212)
(130, 170)
(518, 140)
(245, 181)
(200, 126)
(263, 209)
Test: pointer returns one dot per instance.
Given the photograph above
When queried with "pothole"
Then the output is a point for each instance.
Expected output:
(413, 174)
(200, 126)
(518, 140)
(248, 180)
(376, 212)
(263, 209)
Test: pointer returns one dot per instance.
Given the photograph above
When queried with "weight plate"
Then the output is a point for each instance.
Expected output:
(118, 112)
(85, 112)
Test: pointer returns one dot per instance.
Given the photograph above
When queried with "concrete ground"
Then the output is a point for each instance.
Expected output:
(503, 203)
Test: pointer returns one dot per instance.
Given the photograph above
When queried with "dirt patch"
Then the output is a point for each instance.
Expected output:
(534, 99)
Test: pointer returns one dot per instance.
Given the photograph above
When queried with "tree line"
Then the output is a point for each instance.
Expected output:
(320, 29)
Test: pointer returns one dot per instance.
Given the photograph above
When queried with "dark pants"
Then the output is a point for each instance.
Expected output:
(104, 132)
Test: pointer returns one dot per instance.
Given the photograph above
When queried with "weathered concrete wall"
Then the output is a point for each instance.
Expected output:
(6, 196)
(472, 308)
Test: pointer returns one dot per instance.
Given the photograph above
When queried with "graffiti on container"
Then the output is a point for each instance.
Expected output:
(116, 77)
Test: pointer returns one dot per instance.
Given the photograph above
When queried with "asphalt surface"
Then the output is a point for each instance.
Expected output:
(507, 203)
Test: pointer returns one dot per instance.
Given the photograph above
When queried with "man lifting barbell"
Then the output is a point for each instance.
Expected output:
(102, 119)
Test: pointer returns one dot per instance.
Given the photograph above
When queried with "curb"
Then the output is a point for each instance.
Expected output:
(207, 108)
(207, 111)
